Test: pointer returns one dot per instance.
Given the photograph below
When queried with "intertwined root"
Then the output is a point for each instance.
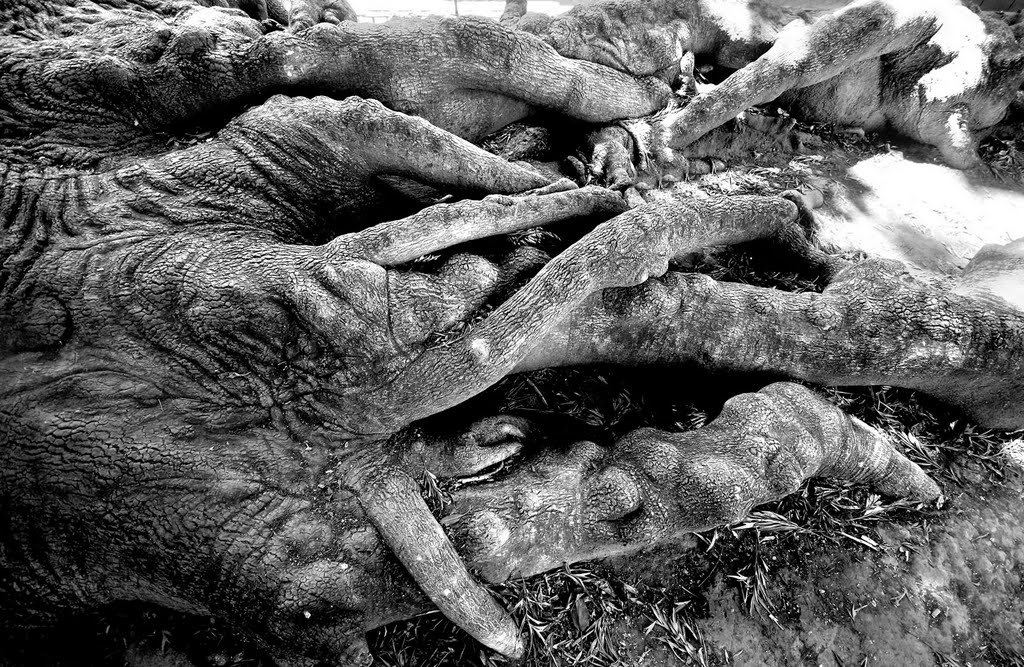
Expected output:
(392, 501)
(961, 341)
(965, 81)
(132, 76)
(937, 72)
(212, 499)
(654, 486)
(621, 252)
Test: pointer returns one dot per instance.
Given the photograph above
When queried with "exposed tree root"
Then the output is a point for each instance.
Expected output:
(208, 351)
(961, 341)
(655, 486)
(937, 72)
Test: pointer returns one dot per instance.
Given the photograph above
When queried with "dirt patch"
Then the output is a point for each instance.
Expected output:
(950, 587)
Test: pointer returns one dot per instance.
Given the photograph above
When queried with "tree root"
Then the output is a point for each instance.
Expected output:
(961, 341)
(937, 72)
(654, 487)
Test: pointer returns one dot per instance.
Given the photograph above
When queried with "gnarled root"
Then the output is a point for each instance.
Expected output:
(307, 13)
(936, 72)
(836, 64)
(962, 341)
(392, 502)
(292, 544)
(120, 84)
(655, 486)
(623, 251)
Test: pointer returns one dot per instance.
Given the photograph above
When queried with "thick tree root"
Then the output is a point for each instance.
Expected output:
(294, 544)
(655, 486)
(940, 99)
(116, 87)
(962, 342)
(196, 398)
(392, 501)
(621, 252)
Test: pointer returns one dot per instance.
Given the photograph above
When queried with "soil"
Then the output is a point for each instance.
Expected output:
(948, 590)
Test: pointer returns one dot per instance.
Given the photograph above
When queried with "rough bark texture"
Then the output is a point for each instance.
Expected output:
(120, 74)
(170, 339)
(654, 487)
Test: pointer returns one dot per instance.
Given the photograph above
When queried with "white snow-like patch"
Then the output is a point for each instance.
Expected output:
(1014, 451)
